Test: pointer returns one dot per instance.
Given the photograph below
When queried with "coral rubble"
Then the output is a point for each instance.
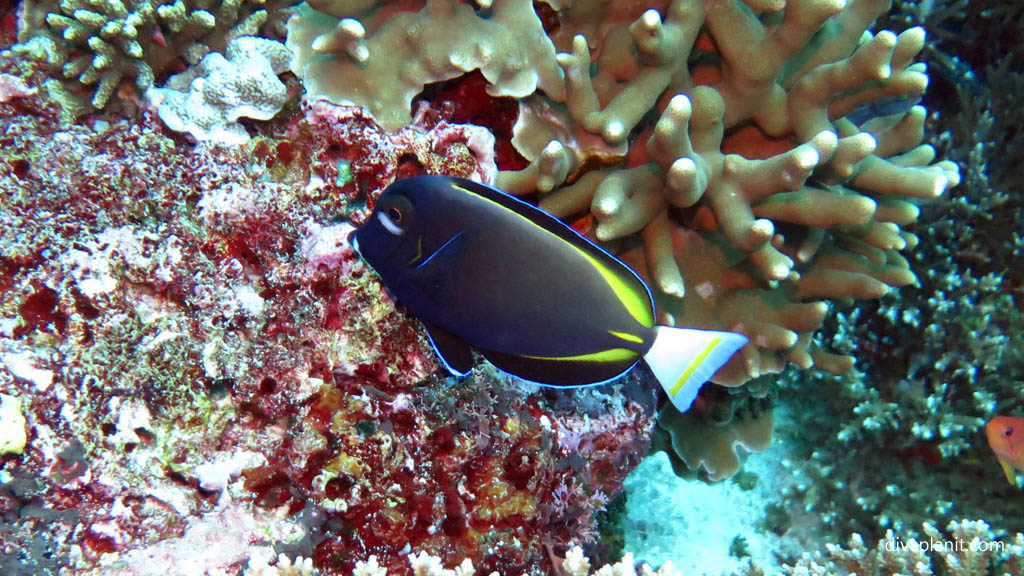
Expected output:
(574, 564)
(969, 549)
(195, 346)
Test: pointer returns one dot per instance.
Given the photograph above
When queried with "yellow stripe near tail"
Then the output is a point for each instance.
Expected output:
(627, 337)
(607, 356)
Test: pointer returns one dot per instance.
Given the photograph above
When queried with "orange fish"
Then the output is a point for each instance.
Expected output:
(1006, 437)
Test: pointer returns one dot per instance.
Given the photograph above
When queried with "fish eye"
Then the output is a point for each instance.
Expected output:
(395, 213)
(1008, 432)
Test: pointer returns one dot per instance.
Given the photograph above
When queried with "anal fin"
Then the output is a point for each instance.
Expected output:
(557, 372)
(455, 354)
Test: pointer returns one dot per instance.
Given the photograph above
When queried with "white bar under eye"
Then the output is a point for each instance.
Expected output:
(389, 225)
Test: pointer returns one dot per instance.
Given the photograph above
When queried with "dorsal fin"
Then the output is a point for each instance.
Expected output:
(562, 231)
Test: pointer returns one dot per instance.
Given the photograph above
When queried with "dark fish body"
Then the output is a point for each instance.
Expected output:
(485, 271)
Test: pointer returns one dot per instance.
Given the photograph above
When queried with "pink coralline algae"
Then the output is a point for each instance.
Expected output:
(209, 376)
(13, 87)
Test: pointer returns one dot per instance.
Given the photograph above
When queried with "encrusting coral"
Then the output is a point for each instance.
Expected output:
(340, 46)
(713, 146)
(713, 447)
(208, 99)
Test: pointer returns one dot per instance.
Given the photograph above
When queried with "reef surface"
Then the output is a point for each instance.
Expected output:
(199, 376)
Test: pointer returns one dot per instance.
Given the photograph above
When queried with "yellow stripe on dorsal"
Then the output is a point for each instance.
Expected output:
(610, 355)
(693, 366)
(627, 337)
(637, 304)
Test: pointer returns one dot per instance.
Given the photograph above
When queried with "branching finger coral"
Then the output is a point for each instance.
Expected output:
(98, 44)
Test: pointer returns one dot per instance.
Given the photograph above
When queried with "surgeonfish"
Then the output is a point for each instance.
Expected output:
(485, 271)
(1006, 437)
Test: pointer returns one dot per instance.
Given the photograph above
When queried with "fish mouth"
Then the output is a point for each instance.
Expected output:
(353, 241)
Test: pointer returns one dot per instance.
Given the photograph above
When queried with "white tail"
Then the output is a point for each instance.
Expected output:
(684, 359)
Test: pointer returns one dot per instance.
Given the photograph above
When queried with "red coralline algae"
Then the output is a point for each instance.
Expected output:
(332, 139)
(394, 473)
(12, 87)
(196, 346)
(464, 100)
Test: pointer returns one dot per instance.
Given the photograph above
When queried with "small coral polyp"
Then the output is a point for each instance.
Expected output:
(710, 144)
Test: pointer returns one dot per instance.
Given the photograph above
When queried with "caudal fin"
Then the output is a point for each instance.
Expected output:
(684, 359)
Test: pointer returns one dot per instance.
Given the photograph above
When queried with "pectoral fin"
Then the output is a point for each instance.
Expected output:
(455, 354)
(1011, 473)
(433, 272)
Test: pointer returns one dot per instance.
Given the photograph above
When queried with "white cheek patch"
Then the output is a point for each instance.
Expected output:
(389, 225)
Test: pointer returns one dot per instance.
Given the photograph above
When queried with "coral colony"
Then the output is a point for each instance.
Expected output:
(198, 375)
